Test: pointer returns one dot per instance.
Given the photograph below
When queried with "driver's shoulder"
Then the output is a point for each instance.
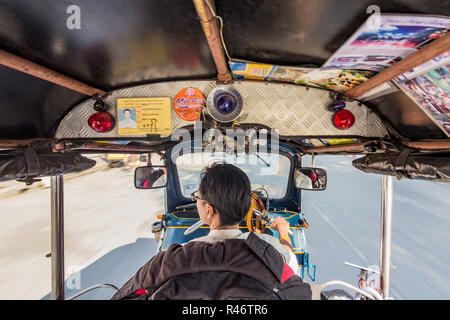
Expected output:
(288, 256)
(264, 236)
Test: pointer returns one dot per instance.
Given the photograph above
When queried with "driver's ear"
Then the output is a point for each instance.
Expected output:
(211, 210)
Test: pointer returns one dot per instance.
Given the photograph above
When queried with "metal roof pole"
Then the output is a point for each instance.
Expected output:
(428, 145)
(355, 147)
(432, 50)
(386, 233)
(36, 70)
(212, 34)
(57, 238)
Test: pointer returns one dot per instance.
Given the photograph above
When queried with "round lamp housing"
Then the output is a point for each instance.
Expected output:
(101, 122)
(343, 119)
(224, 104)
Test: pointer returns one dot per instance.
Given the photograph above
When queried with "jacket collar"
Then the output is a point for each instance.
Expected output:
(222, 234)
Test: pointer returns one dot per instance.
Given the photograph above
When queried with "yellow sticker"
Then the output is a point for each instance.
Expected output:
(339, 141)
(136, 116)
(255, 71)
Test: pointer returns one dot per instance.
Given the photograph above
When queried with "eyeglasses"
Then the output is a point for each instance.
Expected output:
(195, 197)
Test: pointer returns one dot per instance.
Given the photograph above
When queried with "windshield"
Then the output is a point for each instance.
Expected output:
(265, 170)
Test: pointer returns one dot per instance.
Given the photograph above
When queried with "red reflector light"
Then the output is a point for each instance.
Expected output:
(101, 122)
(343, 119)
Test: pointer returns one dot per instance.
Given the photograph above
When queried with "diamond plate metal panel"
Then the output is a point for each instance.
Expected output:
(293, 110)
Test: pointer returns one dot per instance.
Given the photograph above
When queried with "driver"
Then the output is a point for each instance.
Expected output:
(222, 183)
(225, 264)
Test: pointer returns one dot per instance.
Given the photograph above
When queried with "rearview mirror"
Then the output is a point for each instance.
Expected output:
(151, 177)
(310, 179)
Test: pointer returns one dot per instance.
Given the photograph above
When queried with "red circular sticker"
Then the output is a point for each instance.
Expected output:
(188, 104)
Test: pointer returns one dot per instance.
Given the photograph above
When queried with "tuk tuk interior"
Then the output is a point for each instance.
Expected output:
(273, 179)
(76, 79)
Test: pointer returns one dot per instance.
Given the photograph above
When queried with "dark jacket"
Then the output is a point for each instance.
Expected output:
(231, 269)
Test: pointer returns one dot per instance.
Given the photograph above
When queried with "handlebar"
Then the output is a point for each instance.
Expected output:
(194, 227)
(367, 291)
(268, 219)
(106, 285)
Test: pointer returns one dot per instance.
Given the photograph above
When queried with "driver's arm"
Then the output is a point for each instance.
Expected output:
(282, 226)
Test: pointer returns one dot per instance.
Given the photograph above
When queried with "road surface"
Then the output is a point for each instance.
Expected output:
(345, 227)
(107, 235)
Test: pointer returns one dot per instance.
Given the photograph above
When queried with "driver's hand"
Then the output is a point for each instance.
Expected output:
(281, 225)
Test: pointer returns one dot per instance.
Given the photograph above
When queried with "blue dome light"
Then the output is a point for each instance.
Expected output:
(225, 103)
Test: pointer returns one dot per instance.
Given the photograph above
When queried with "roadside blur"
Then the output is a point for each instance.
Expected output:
(103, 212)
(104, 162)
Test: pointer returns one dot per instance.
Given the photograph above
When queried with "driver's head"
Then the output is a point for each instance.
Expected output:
(227, 192)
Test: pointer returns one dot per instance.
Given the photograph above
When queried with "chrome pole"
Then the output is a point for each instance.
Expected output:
(57, 238)
(386, 233)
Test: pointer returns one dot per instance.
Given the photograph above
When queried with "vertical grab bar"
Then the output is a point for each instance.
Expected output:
(57, 237)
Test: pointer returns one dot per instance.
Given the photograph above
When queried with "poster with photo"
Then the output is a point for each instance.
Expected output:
(445, 124)
(385, 39)
(371, 62)
(431, 91)
(432, 64)
(259, 71)
(290, 74)
(337, 79)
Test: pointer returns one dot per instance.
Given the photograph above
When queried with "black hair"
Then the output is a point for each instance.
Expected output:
(126, 110)
(227, 188)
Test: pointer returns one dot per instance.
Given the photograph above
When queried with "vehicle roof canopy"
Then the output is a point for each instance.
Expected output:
(124, 43)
